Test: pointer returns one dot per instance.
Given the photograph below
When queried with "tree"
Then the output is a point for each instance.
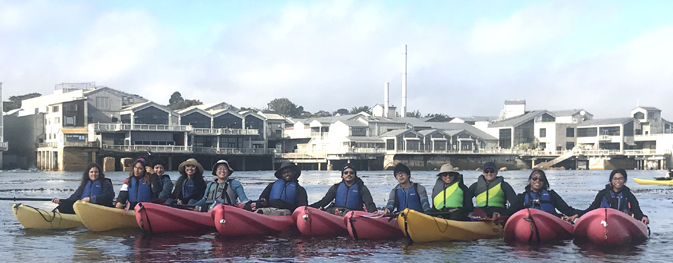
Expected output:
(356, 110)
(415, 113)
(15, 101)
(285, 107)
(341, 111)
(176, 97)
(322, 113)
(438, 117)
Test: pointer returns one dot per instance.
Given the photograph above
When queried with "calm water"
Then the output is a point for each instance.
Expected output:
(578, 188)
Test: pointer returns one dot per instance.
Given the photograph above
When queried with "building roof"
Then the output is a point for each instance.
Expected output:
(648, 108)
(274, 116)
(133, 107)
(515, 102)
(354, 123)
(394, 133)
(426, 132)
(98, 89)
(518, 120)
(478, 118)
(362, 139)
(602, 122)
(452, 132)
(74, 130)
(572, 112)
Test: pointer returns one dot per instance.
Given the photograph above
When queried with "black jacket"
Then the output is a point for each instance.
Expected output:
(301, 198)
(197, 193)
(556, 201)
(635, 207)
(105, 198)
(365, 196)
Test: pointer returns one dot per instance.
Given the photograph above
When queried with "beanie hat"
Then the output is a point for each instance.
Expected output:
(400, 167)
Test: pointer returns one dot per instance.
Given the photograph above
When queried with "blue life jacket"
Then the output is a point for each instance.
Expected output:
(187, 187)
(139, 191)
(542, 202)
(348, 197)
(410, 199)
(622, 203)
(92, 189)
(285, 191)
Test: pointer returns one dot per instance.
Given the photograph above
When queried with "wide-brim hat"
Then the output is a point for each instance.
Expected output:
(297, 170)
(447, 168)
(231, 171)
(190, 161)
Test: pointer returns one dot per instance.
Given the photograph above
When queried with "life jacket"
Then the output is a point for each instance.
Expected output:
(448, 196)
(542, 202)
(616, 201)
(139, 191)
(348, 197)
(490, 194)
(187, 187)
(285, 191)
(220, 193)
(92, 189)
(410, 199)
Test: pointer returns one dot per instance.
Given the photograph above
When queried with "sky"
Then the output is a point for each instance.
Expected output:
(464, 57)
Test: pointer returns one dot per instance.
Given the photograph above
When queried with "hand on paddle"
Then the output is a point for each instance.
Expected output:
(197, 208)
(86, 199)
(262, 201)
(571, 218)
(55, 200)
(385, 212)
(645, 220)
(495, 216)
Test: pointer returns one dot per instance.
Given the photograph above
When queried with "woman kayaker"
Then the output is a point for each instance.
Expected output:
(406, 194)
(159, 167)
(94, 188)
(190, 187)
(284, 193)
(346, 198)
(450, 196)
(223, 190)
(616, 195)
(483, 190)
(139, 186)
(538, 196)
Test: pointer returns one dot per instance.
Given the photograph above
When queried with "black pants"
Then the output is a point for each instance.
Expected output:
(65, 206)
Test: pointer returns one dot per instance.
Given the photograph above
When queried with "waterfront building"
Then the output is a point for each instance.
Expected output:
(3, 143)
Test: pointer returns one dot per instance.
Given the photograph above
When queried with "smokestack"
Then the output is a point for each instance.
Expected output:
(404, 85)
(386, 98)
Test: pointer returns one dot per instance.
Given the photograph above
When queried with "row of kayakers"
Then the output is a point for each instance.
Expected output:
(451, 198)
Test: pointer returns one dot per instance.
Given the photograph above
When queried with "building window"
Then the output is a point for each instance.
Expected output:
(54, 109)
(587, 132)
(71, 107)
(358, 131)
(103, 103)
(505, 138)
(543, 133)
(543, 145)
(70, 120)
(570, 132)
(639, 115)
(75, 137)
(57, 120)
(612, 131)
(570, 145)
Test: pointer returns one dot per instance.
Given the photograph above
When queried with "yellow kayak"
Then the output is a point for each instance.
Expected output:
(103, 218)
(35, 218)
(653, 182)
(424, 228)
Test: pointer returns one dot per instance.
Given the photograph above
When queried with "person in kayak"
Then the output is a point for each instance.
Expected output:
(406, 194)
(190, 186)
(450, 196)
(223, 190)
(538, 196)
(159, 167)
(346, 198)
(139, 186)
(616, 195)
(284, 193)
(493, 194)
(94, 188)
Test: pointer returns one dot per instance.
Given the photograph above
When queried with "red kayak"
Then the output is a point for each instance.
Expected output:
(363, 225)
(158, 218)
(234, 221)
(607, 226)
(536, 226)
(315, 222)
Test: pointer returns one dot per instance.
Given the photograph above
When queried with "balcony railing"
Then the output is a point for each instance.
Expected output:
(233, 151)
(224, 131)
(152, 148)
(175, 128)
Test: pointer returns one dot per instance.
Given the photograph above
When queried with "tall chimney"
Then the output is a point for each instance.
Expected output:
(386, 98)
(404, 85)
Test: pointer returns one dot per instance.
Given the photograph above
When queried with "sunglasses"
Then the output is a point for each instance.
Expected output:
(349, 172)
(489, 171)
(448, 174)
(536, 178)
